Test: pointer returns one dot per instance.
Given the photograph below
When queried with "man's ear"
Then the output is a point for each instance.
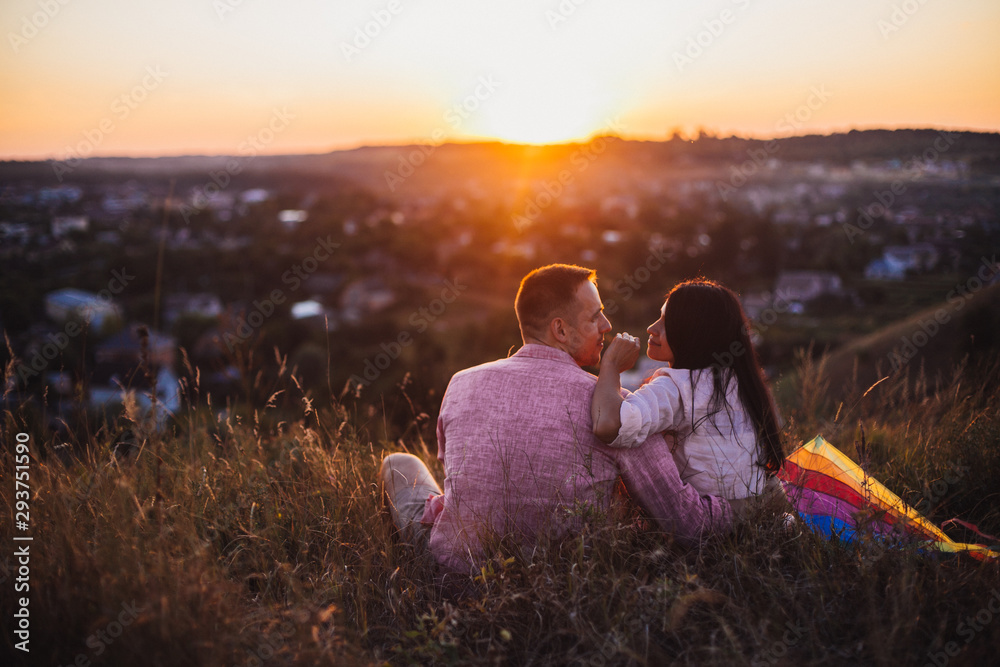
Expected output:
(559, 329)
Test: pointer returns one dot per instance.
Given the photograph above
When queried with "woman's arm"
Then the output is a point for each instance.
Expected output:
(605, 407)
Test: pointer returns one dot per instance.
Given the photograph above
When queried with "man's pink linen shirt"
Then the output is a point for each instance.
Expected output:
(520, 458)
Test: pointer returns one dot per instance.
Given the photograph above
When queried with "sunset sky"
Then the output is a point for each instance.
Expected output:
(137, 77)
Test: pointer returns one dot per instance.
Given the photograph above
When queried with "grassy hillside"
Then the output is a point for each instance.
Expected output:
(249, 537)
(926, 343)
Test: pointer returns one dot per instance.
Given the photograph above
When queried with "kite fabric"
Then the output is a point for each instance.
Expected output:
(835, 497)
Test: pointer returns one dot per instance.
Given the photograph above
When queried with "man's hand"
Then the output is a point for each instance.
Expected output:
(622, 353)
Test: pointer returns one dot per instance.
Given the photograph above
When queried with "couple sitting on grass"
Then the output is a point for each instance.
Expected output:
(532, 444)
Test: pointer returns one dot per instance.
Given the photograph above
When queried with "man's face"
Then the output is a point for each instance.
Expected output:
(586, 325)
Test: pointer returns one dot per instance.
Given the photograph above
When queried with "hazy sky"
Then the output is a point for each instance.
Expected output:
(137, 77)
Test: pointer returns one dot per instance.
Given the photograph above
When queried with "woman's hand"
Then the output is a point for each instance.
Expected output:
(622, 353)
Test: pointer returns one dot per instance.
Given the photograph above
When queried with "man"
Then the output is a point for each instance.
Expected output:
(519, 454)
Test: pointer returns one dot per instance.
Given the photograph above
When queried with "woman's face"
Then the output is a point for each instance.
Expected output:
(658, 349)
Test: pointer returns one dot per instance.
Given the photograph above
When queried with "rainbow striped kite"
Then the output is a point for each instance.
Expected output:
(834, 496)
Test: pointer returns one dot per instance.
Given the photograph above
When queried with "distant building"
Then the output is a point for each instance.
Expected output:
(119, 374)
(21, 232)
(123, 200)
(885, 268)
(254, 196)
(58, 195)
(306, 309)
(292, 218)
(117, 392)
(202, 305)
(315, 314)
(804, 286)
(897, 260)
(63, 225)
(124, 349)
(102, 314)
(918, 256)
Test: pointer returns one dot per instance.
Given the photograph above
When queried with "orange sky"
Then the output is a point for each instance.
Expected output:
(99, 77)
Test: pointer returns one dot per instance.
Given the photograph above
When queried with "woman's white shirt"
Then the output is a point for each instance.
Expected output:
(715, 453)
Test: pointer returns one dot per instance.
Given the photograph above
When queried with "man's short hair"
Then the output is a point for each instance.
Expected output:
(546, 292)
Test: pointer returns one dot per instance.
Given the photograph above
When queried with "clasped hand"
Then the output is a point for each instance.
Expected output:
(622, 352)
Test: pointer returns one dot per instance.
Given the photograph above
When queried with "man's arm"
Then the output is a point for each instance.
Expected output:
(651, 477)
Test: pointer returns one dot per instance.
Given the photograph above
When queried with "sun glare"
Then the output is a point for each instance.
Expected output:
(545, 98)
(544, 110)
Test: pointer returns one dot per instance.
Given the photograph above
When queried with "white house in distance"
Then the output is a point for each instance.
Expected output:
(120, 376)
(63, 225)
(292, 218)
(254, 196)
(103, 314)
(896, 260)
(804, 286)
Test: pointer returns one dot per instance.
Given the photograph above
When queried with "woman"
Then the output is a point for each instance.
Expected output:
(713, 398)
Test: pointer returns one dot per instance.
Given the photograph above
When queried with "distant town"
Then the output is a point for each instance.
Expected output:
(146, 280)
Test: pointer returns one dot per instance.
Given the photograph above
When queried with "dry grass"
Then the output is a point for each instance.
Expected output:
(260, 539)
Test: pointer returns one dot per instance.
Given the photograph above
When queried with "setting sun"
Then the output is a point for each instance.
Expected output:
(544, 110)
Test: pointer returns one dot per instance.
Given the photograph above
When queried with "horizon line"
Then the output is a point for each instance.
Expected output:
(703, 134)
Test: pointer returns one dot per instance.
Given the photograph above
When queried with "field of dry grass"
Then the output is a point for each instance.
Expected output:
(258, 537)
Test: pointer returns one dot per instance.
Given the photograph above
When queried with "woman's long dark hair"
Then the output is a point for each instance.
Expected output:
(706, 327)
